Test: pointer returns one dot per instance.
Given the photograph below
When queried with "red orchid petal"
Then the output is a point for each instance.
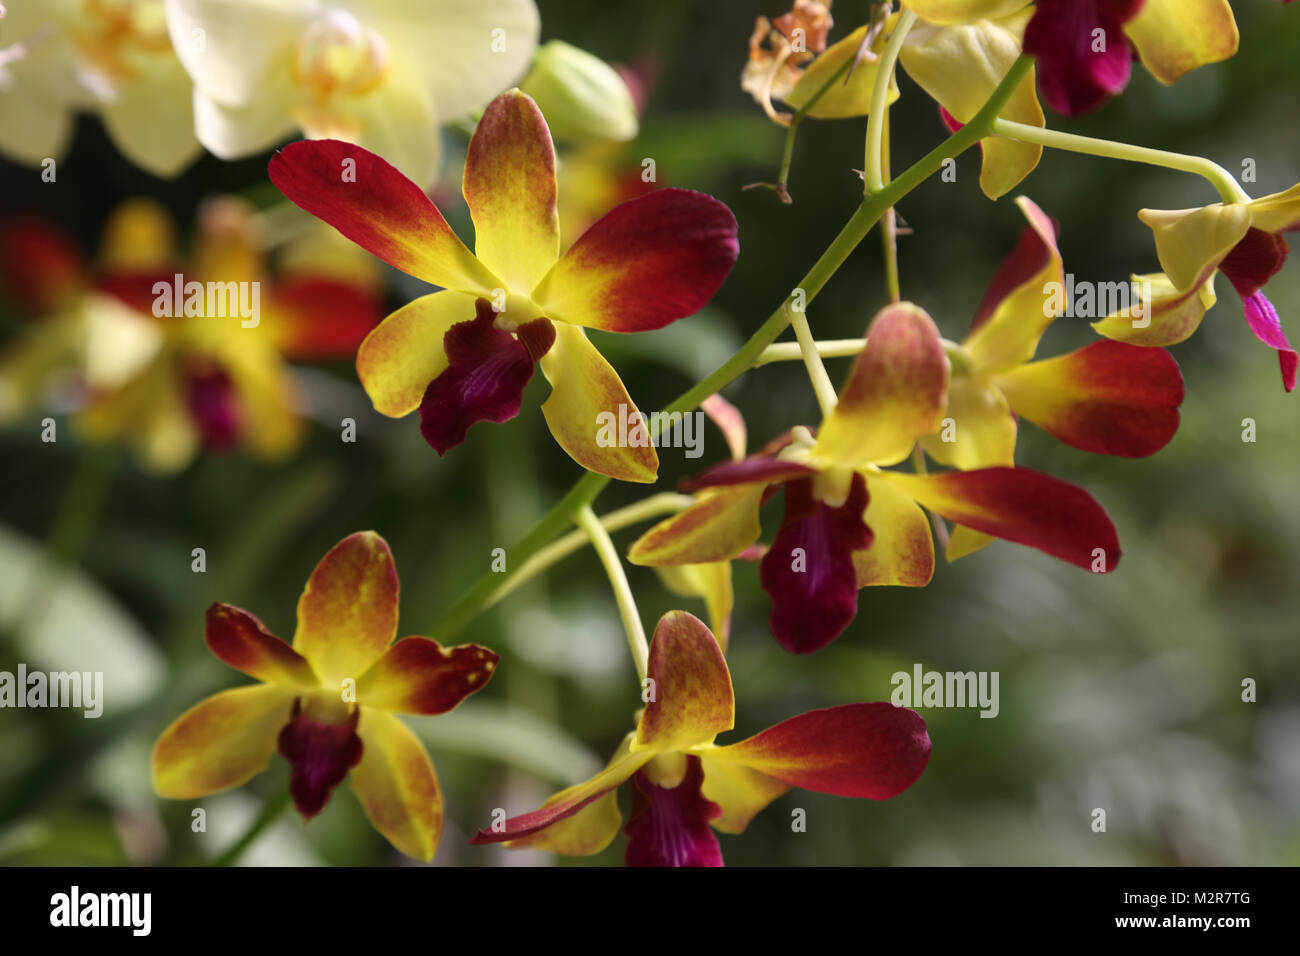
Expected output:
(1264, 322)
(1021, 505)
(213, 404)
(320, 756)
(646, 263)
(669, 826)
(1254, 260)
(487, 369)
(419, 676)
(874, 751)
(377, 207)
(751, 470)
(1027, 260)
(1109, 398)
(242, 641)
(809, 571)
(322, 318)
(40, 267)
(1073, 77)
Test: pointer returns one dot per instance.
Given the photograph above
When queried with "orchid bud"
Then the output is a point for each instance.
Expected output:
(581, 96)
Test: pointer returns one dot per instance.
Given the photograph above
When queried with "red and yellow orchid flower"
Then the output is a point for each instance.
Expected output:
(1244, 241)
(327, 703)
(684, 785)
(464, 354)
(1108, 397)
(849, 521)
(171, 381)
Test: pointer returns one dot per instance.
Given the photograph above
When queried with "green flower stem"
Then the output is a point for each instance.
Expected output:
(271, 811)
(1222, 180)
(845, 348)
(873, 174)
(855, 230)
(608, 554)
(821, 382)
(652, 507)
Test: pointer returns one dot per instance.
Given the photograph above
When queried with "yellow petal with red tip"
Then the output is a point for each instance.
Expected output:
(1026, 294)
(894, 394)
(220, 742)
(239, 639)
(722, 523)
(397, 786)
(509, 187)
(689, 687)
(347, 615)
(740, 791)
(589, 830)
(1175, 36)
(590, 413)
(1277, 212)
(848, 96)
(149, 413)
(404, 353)
(1167, 317)
(959, 11)
(960, 67)
(420, 676)
(1191, 241)
(710, 581)
(982, 426)
(902, 551)
(963, 541)
(269, 399)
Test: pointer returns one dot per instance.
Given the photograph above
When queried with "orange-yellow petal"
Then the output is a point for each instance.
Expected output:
(902, 549)
(1165, 316)
(347, 615)
(1175, 36)
(397, 786)
(243, 642)
(220, 742)
(590, 413)
(509, 186)
(980, 424)
(404, 353)
(710, 581)
(739, 790)
(688, 685)
(848, 96)
(1190, 243)
(894, 393)
(420, 676)
(722, 523)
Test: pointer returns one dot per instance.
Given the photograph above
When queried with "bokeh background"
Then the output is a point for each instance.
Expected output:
(1121, 692)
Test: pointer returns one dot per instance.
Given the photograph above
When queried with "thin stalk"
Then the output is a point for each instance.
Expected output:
(879, 93)
(821, 382)
(608, 554)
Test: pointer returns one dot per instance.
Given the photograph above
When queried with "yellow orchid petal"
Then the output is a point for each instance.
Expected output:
(139, 236)
(894, 393)
(1191, 241)
(397, 786)
(963, 541)
(403, 354)
(1024, 297)
(221, 742)
(148, 412)
(1167, 317)
(711, 581)
(347, 615)
(982, 426)
(590, 413)
(960, 11)
(847, 97)
(269, 398)
(1175, 36)
(688, 686)
(739, 790)
(722, 523)
(509, 187)
(1276, 212)
(902, 551)
(960, 67)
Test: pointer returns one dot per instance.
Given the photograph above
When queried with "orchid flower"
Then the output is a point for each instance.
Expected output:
(464, 354)
(1108, 397)
(1244, 241)
(684, 785)
(327, 703)
(110, 57)
(849, 520)
(382, 74)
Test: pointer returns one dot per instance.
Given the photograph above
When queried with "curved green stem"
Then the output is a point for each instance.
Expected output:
(855, 230)
(665, 503)
(1222, 180)
(821, 382)
(879, 93)
(608, 554)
